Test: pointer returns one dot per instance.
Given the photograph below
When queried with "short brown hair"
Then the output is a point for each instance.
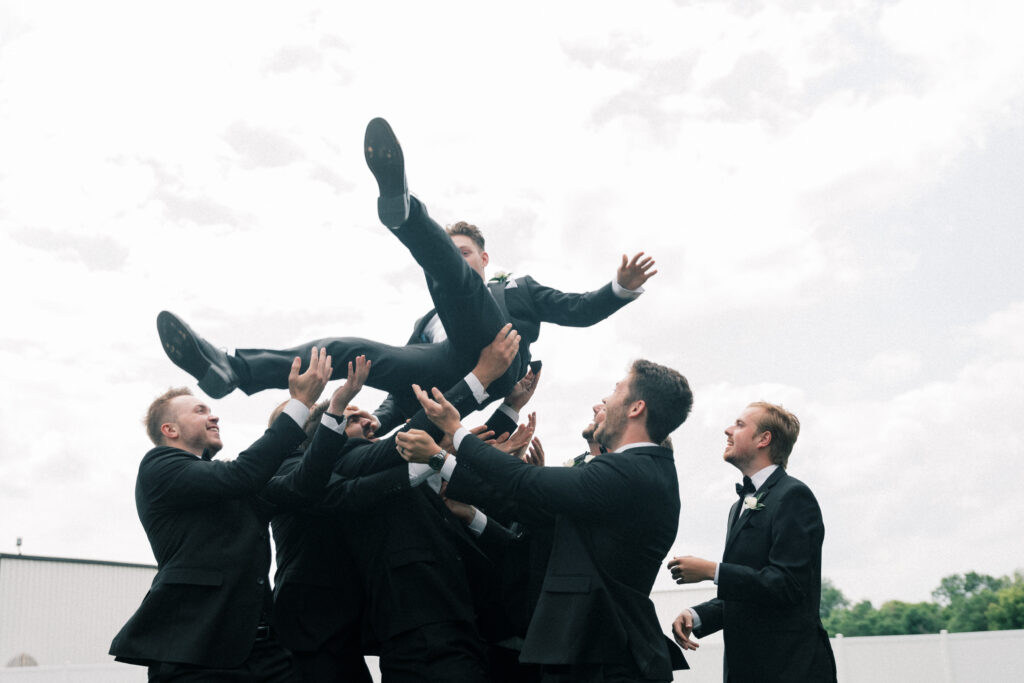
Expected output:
(666, 394)
(469, 230)
(784, 427)
(160, 412)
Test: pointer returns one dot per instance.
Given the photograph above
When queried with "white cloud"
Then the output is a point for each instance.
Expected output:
(207, 159)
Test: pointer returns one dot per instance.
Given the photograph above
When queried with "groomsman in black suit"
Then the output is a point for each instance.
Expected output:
(379, 559)
(616, 519)
(207, 614)
(769, 579)
(469, 311)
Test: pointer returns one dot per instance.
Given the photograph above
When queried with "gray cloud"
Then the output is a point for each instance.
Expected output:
(260, 146)
(95, 252)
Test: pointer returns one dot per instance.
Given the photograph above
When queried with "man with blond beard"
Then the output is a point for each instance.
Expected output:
(769, 579)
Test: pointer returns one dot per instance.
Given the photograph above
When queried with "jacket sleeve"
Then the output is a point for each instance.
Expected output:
(361, 493)
(388, 413)
(796, 533)
(306, 478)
(172, 478)
(573, 310)
(710, 614)
(599, 490)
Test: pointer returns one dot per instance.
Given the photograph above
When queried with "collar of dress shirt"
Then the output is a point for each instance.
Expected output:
(634, 445)
(761, 476)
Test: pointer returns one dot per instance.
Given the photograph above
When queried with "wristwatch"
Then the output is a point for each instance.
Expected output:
(436, 461)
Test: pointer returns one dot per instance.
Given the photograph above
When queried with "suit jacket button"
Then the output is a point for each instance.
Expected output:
(260, 581)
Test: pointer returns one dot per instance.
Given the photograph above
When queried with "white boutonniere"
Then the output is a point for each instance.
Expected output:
(501, 276)
(753, 503)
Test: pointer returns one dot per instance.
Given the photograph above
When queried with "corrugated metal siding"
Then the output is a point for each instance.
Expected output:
(65, 612)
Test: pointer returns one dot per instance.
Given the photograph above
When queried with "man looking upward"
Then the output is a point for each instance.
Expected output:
(769, 579)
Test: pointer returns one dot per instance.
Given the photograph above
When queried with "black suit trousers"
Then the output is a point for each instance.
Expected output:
(268, 662)
(467, 310)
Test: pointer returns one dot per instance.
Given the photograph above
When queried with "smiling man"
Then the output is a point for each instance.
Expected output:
(769, 579)
(207, 613)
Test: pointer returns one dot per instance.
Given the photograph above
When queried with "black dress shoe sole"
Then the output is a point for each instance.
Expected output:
(386, 162)
(182, 346)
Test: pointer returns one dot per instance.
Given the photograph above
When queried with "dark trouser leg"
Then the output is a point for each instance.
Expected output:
(268, 662)
(450, 651)
(470, 315)
(335, 662)
(504, 667)
(394, 368)
(592, 673)
(467, 310)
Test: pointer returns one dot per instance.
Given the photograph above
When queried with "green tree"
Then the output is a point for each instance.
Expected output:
(859, 620)
(831, 599)
(966, 598)
(1008, 610)
(908, 618)
(956, 587)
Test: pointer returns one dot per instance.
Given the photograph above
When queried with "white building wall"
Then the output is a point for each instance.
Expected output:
(65, 612)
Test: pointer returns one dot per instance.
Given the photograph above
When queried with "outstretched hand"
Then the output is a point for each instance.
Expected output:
(308, 386)
(633, 273)
(497, 356)
(517, 444)
(535, 456)
(357, 375)
(438, 409)
(523, 390)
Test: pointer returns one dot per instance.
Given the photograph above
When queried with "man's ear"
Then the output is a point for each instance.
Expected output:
(484, 258)
(169, 430)
(637, 408)
(764, 440)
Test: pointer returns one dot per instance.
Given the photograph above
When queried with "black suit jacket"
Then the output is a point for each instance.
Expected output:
(526, 304)
(407, 550)
(769, 589)
(616, 520)
(210, 540)
(318, 593)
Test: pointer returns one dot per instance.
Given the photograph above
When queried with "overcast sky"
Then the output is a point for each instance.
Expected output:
(832, 191)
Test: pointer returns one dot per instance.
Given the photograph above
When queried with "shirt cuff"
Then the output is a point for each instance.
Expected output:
(623, 293)
(508, 410)
(478, 523)
(335, 424)
(419, 472)
(479, 393)
(718, 565)
(296, 410)
(458, 436)
(696, 618)
(449, 466)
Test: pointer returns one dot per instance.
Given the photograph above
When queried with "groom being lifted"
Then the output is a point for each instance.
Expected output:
(470, 311)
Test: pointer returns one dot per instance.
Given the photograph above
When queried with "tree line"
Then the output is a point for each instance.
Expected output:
(962, 602)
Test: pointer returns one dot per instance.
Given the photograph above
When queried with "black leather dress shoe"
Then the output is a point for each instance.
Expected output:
(384, 157)
(196, 356)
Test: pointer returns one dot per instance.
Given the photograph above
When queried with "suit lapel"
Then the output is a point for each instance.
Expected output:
(744, 519)
(498, 292)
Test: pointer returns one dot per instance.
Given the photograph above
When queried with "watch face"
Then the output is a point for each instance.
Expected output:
(436, 461)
